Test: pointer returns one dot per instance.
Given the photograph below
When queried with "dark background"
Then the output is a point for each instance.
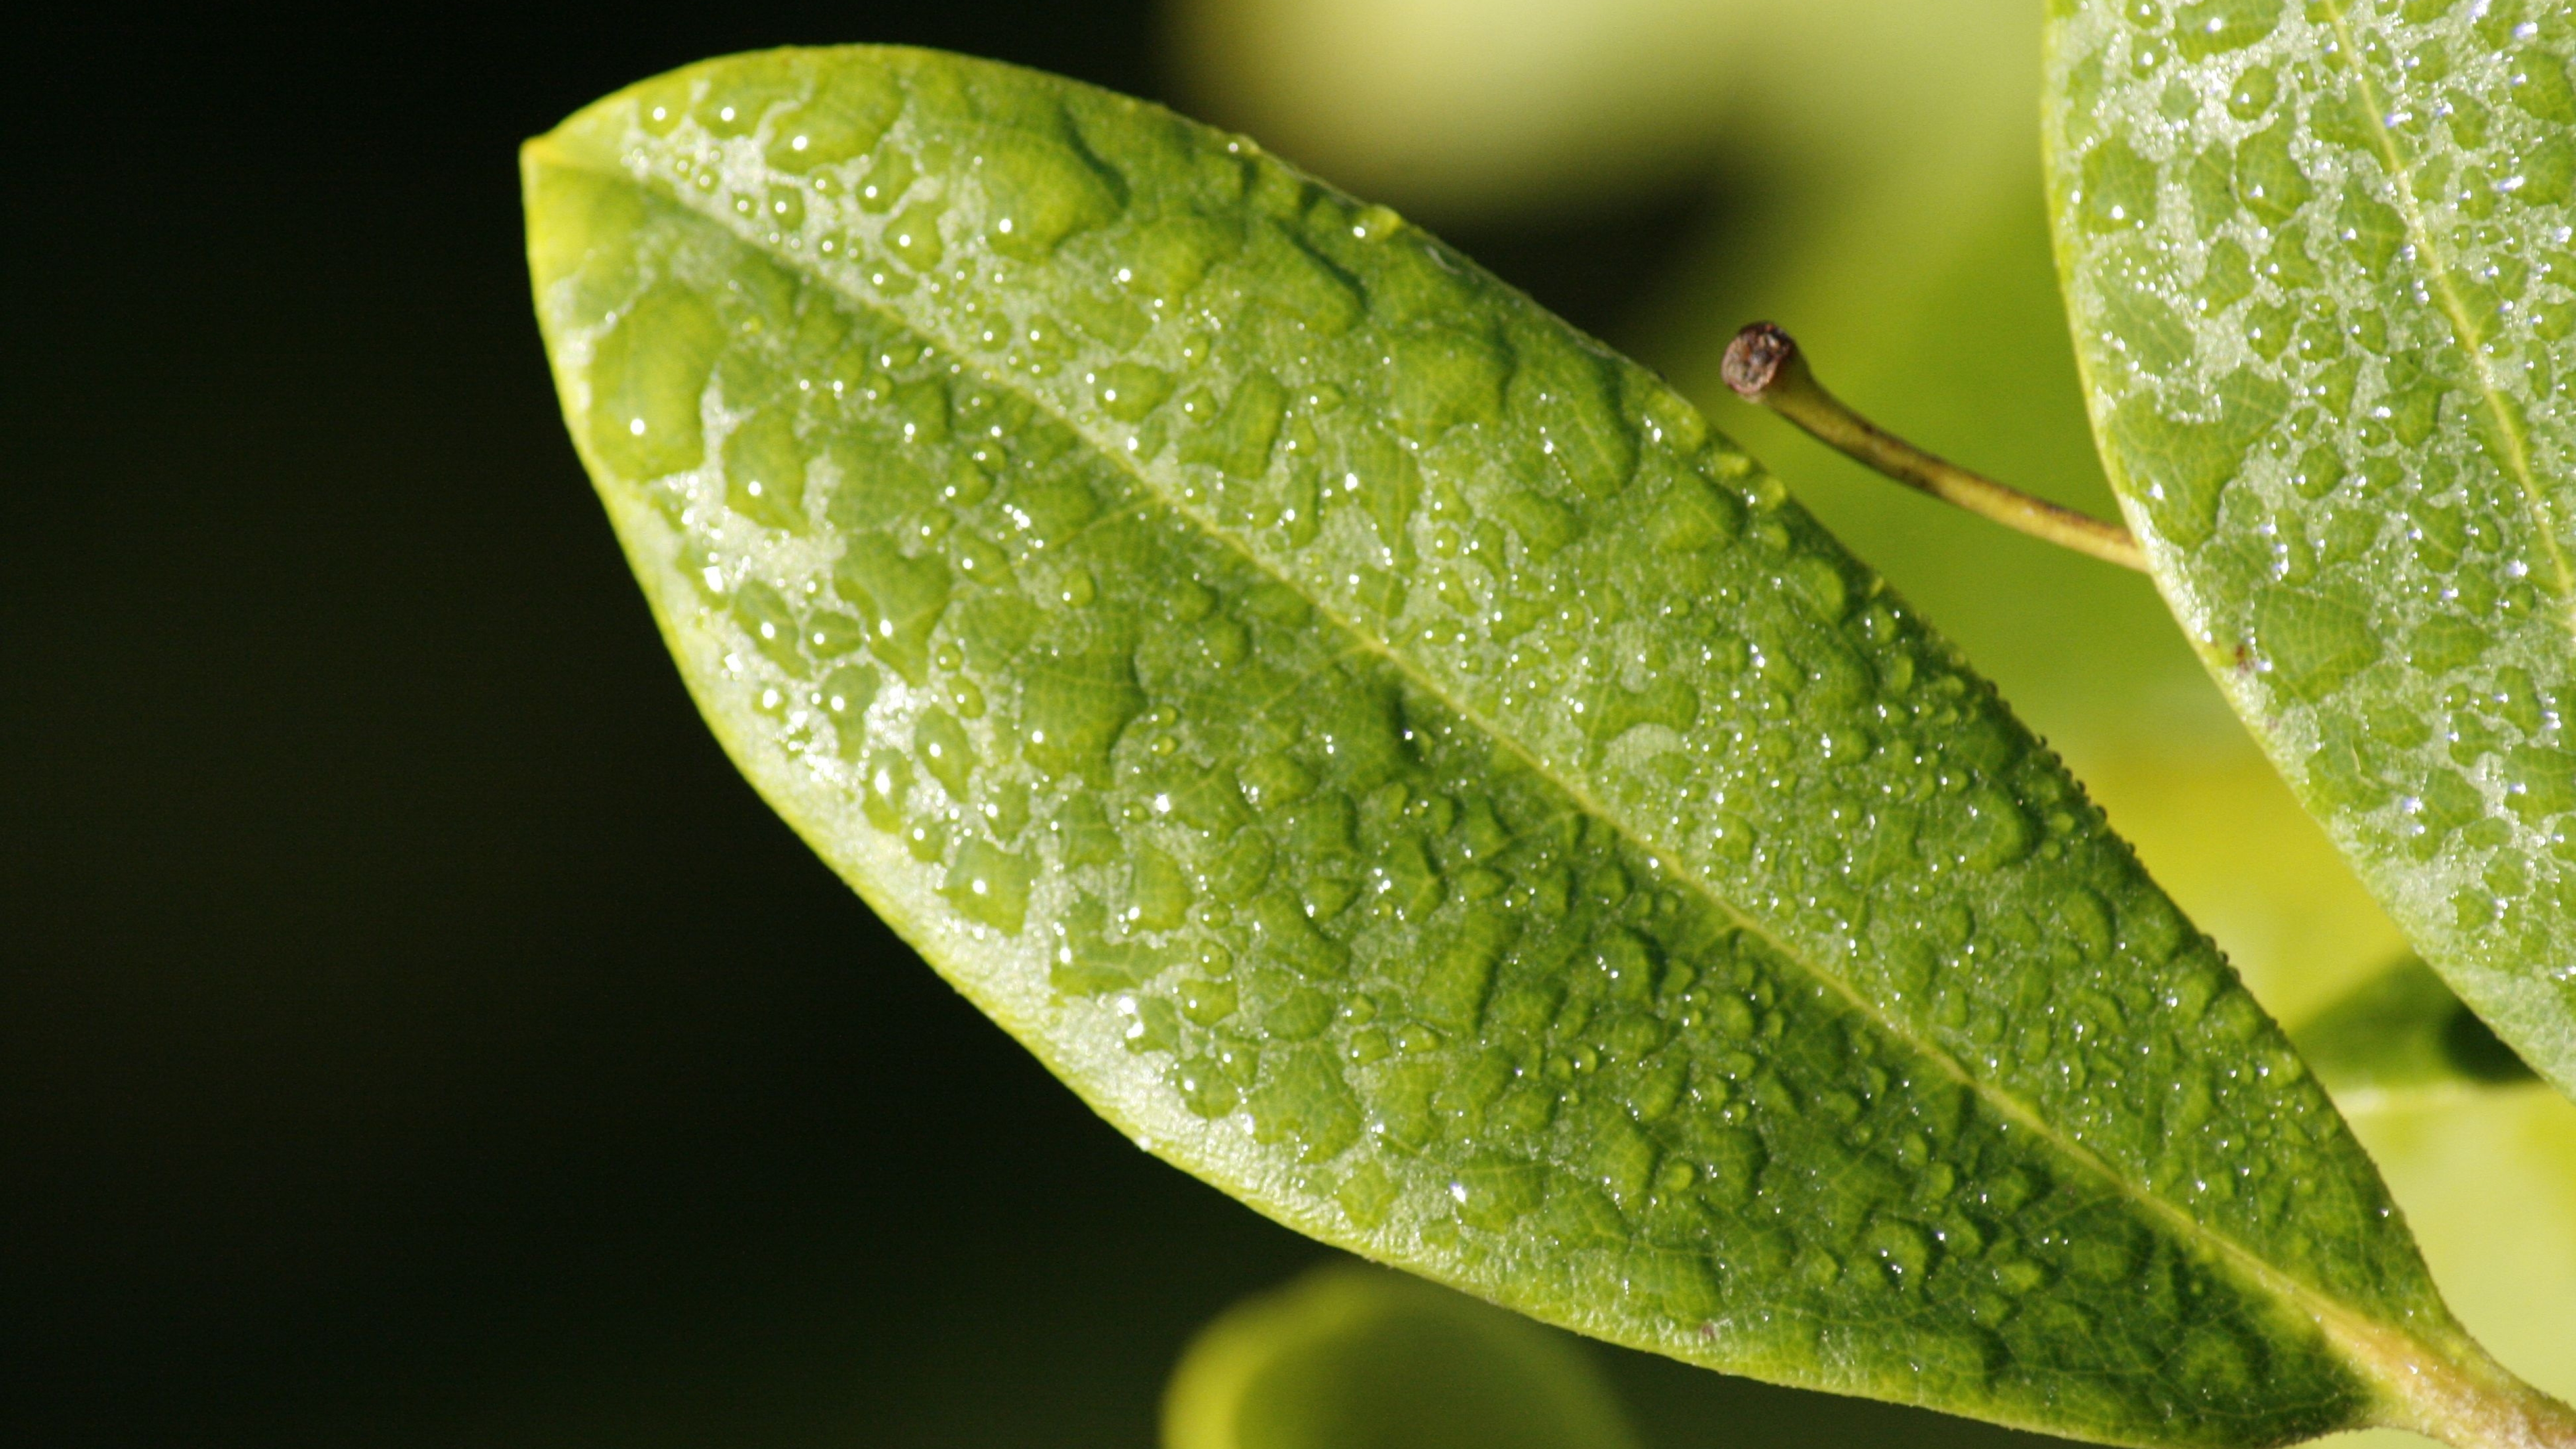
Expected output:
(411, 1030)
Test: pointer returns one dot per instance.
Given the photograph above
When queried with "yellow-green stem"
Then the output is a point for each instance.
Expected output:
(1764, 365)
(2464, 1398)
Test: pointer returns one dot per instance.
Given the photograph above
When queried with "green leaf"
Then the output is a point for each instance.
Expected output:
(2318, 266)
(1623, 909)
(1357, 1358)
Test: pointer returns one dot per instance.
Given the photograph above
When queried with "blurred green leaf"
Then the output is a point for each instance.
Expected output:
(1477, 108)
(1356, 1358)
(1391, 759)
(2405, 1029)
(2316, 259)
(1471, 107)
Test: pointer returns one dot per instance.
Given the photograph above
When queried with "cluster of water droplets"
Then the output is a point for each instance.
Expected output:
(1403, 733)
(2326, 283)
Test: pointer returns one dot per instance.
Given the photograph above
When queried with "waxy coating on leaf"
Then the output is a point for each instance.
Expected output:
(2319, 266)
(1390, 757)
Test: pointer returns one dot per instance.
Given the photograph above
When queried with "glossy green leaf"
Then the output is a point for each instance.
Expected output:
(2317, 258)
(1358, 1358)
(1389, 757)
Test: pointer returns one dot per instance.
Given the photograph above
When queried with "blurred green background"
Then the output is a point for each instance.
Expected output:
(411, 1032)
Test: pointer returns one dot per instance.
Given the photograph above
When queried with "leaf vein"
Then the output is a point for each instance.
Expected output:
(2393, 1351)
(2465, 331)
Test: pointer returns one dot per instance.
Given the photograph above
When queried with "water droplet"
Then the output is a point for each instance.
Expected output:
(1439, 377)
(901, 600)
(1130, 391)
(1038, 191)
(945, 751)
(2118, 189)
(2019, 1276)
(1237, 440)
(1207, 1002)
(2252, 94)
(845, 695)
(913, 236)
(647, 376)
(1375, 223)
(1302, 1101)
(1158, 894)
(2312, 643)
(889, 783)
(1570, 393)
(1203, 1084)
(1455, 982)
(764, 614)
(1152, 1025)
(890, 173)
(1366, 1194)
(1493, 1192)
(990, 885)
(1283, 933)
(1695, 516)
(1543, 525)
(848, 111)
(1275, 780)
(1073, 708)
(1997, 833)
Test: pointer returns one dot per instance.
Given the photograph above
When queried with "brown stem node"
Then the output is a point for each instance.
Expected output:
(1754, 359)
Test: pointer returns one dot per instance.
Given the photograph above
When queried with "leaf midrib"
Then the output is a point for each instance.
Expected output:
(2366, 1340)
(2465, 334)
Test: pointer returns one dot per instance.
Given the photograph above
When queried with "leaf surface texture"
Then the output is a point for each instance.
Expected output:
(1392, 759)
(2318, 263)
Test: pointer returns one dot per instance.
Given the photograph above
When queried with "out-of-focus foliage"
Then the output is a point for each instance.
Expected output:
(1358, 1358)
(2487, 1177)
(1468, 105)
(2401, 1031)
(1484, 107)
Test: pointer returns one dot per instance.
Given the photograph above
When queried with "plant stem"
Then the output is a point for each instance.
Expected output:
(2465, 1398)
(2524, 1420)
(1764, 365)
